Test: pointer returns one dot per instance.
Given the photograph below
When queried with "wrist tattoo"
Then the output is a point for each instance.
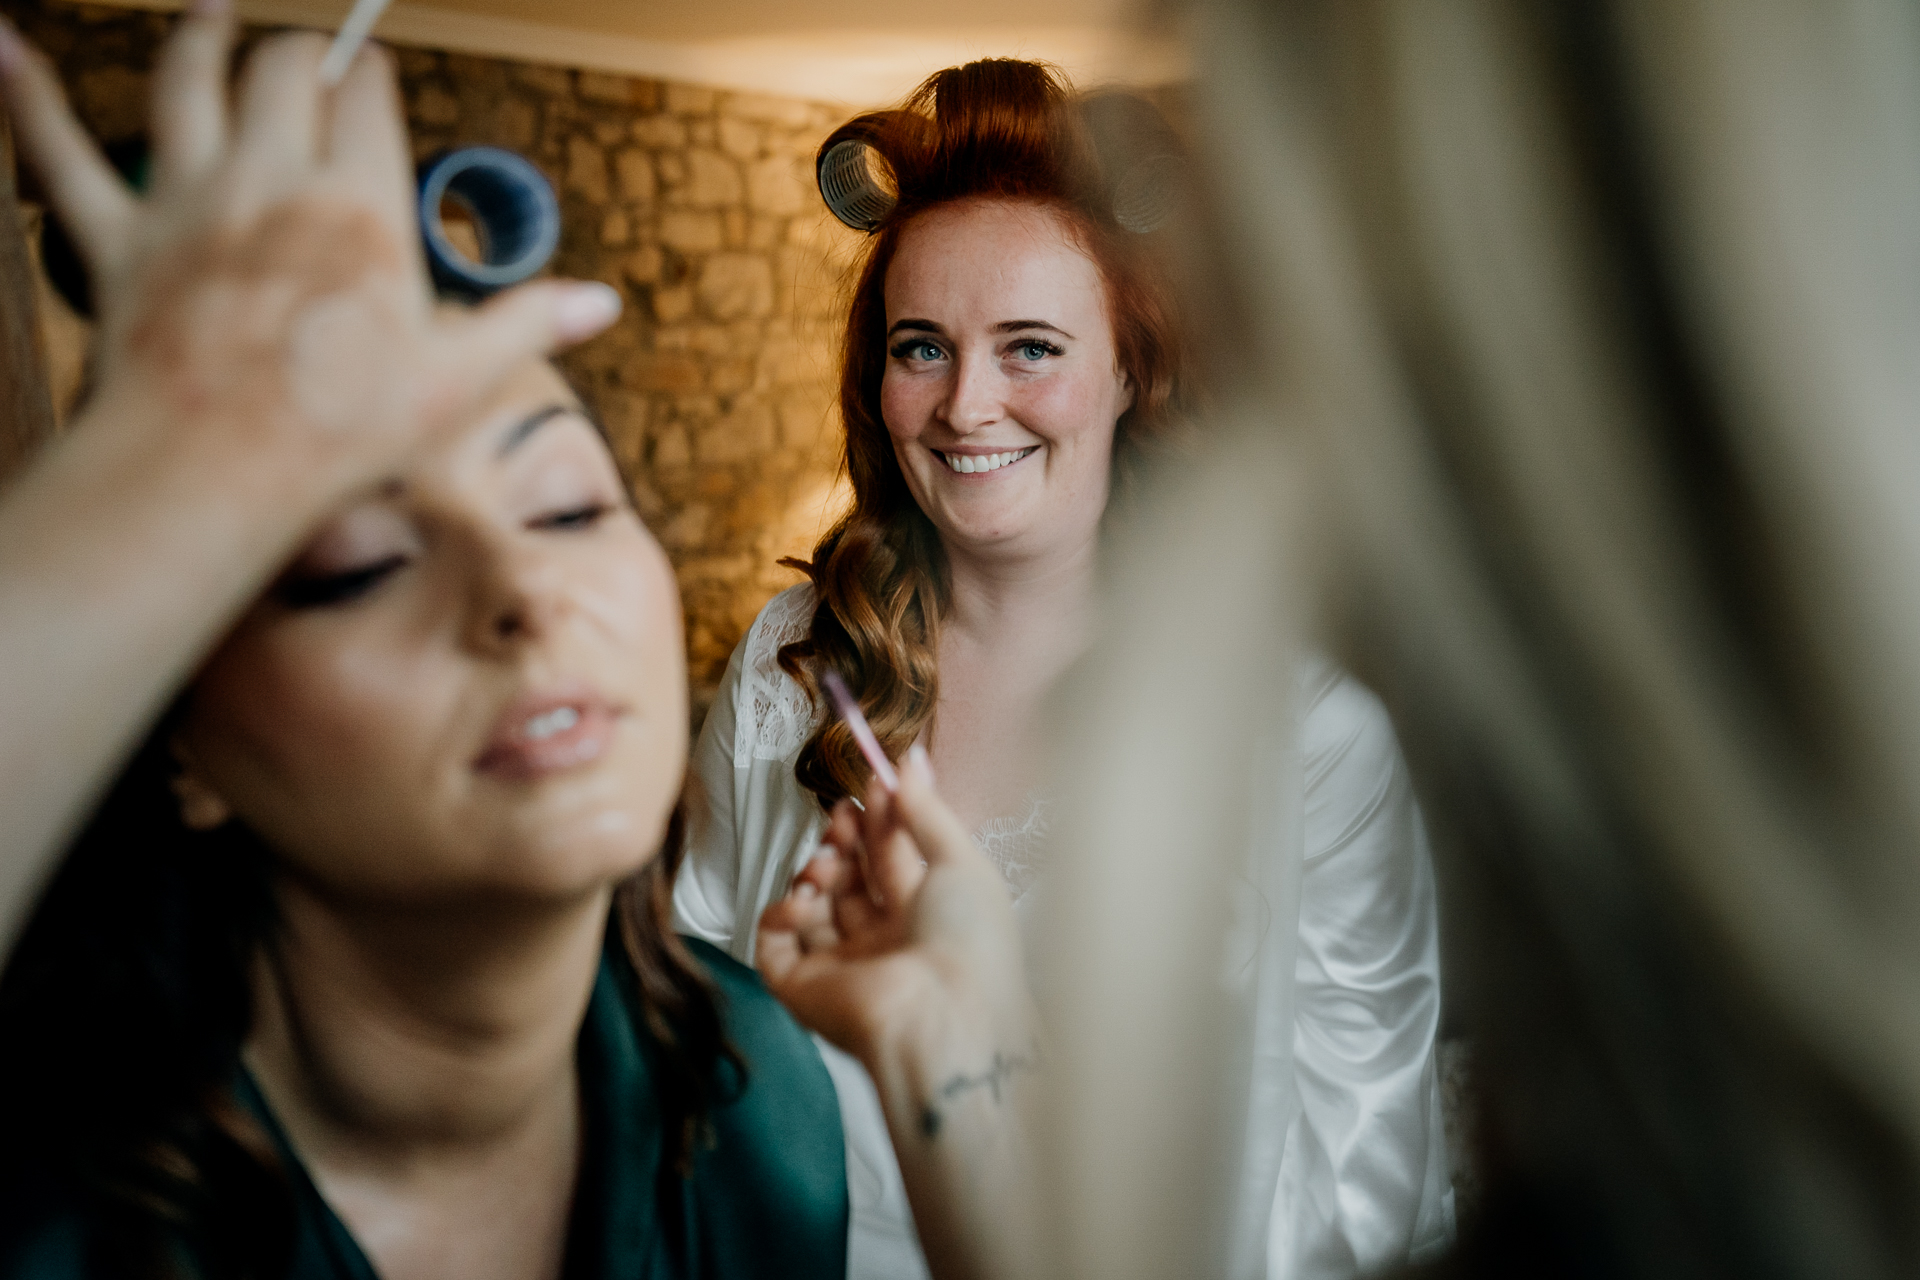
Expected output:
(997, 1073)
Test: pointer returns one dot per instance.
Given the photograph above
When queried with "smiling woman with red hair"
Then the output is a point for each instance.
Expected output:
(1012, 355)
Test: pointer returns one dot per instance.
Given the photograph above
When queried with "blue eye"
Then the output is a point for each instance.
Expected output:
(918, 349)
(1034, 349)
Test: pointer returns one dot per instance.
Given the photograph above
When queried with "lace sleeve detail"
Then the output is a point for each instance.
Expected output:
(773, 715)
(1017, 845)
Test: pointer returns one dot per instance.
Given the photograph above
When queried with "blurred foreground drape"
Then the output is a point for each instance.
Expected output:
(1569, 362)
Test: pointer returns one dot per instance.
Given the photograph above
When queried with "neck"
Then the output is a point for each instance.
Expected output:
(392, 1033)
(1040, 603)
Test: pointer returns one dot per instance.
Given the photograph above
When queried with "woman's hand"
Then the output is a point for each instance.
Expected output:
(898, 931)
(269, 286)
(268, 346)
(915, 968)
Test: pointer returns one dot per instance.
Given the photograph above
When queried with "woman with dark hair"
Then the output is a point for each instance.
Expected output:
(364, 960)
(363, 964)
(1011, 355)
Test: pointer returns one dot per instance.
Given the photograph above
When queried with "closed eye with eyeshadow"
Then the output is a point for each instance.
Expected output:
(312, 588)
(299, 590)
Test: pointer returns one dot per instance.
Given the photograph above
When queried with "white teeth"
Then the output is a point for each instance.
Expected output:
(966, 463)
(545, 725)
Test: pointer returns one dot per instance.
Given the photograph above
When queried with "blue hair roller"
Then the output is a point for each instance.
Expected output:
(514, 213)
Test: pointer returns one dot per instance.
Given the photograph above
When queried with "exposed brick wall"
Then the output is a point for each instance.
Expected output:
(697, 204)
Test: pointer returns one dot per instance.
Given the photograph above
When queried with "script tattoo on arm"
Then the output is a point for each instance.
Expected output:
(997, 1073)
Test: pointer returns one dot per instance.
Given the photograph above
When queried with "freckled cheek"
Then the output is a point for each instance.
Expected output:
(906, 405)
(1067, 413)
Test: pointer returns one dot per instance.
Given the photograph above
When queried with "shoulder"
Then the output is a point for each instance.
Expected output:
(43, 1230)
(54, 1249)
(760, 1027)
(773, 714)
(747, 1000)
(783, 619)
(778, 1152)
(1355, 775)
(1344, 726)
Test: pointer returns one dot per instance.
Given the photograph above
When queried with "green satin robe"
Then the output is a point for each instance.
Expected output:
(768, 1197)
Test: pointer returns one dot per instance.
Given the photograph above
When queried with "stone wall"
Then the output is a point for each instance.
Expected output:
(716, 386)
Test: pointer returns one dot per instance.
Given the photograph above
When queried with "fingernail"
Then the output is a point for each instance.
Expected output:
(586, 308)
(917, 759)
(805, 890)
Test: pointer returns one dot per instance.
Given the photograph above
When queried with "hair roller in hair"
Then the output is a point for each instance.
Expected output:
(515, 220)
(855, 183)
(1148, 192)
(1144, 159)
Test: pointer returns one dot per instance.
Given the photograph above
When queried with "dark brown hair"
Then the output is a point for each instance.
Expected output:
(999, 129)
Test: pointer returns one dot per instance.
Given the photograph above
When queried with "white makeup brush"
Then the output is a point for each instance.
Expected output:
(353, 34)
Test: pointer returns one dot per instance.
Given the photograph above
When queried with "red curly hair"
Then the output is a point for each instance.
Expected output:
(998, 129)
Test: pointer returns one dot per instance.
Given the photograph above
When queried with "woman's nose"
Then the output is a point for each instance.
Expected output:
(517, 600)
(976, 399)
(513, 620)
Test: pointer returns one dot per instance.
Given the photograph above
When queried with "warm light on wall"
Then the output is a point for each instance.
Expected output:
(836, 52)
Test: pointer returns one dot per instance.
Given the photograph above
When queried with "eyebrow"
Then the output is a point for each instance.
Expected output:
(1015, 326)
(1005, 326)
(518, 433)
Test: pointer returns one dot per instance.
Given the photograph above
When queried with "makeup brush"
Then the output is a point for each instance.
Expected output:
(849, 711)
(352, 34)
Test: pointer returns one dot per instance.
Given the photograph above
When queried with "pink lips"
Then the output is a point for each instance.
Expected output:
(543, 735)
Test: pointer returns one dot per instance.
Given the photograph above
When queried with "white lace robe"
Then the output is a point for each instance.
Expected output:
(1363, 1170)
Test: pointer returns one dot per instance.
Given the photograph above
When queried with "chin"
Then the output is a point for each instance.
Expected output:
(600, 824)
(999, 535)
(585, 854)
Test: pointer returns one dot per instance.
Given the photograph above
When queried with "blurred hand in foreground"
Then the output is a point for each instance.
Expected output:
(268, 347)
(897, 943)
(270, 282)
(899, 929)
